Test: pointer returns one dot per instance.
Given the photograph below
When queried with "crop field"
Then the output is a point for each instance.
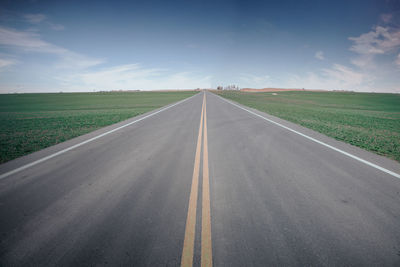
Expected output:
(30, 122)
(367, 120)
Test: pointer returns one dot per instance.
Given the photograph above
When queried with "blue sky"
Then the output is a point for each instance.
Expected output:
(52, 46)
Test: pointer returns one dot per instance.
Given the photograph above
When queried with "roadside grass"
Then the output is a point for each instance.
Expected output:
(367, 120)
(30, 122)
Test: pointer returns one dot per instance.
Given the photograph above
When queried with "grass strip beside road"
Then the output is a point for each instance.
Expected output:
(367, 120)
(30, 122)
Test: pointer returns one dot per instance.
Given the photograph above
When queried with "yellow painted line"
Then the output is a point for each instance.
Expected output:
(188, 243)
(206, 246)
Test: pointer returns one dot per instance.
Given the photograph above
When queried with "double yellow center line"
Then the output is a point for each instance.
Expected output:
(188, 243)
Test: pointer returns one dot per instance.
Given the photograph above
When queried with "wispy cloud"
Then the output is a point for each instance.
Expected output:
(344, 75)
(28, 41)
(367, 73)
(56, 27)
(254, 81)
(39, 18)
(380, 40)
(398, 60)
(6, 62)
(32, 42)
(134, 76)
(319, 55)
(386, 18)
(338, 77)
(80, 77)
(34, 18)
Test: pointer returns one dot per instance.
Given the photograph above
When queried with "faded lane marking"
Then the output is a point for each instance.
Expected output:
(188, 243)
(206, 245)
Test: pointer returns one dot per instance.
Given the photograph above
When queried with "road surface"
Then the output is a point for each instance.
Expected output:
(201, 182)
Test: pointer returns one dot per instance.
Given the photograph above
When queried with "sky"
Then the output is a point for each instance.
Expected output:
(68, 46)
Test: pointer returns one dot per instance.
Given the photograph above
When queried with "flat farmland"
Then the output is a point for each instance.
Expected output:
(30, 122)
(367, 120)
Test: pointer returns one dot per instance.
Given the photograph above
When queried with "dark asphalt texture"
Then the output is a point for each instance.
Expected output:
(277, 199)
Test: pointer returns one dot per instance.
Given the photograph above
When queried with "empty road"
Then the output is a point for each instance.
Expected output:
(201, 182)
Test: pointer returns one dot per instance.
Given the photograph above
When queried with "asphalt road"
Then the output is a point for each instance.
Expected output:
(202, 182)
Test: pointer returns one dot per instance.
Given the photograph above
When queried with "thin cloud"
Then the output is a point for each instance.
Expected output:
(344, 75)
(379, 41)
(39, 18)
(386, 18)
(134, 77)
(6, 62)
(338, 77)
(398, 60)
(56, 27)
(34, 18)
(28, 41)
(254, 81)
(32, 42)
(319, 55)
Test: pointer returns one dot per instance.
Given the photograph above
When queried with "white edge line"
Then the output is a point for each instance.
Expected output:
(4, 175)
(317, 141)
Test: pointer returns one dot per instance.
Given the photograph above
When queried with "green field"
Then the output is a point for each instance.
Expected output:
(30, 122)
(367, 120)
